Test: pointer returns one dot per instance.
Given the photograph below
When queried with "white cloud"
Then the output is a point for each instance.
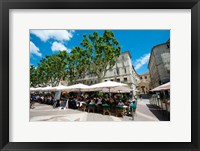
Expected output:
(56, 46)
(142, 61)
(59, 35)
(34, 49)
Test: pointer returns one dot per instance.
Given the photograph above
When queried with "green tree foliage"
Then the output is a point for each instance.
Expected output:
(78, 64)
(33, 76)
(102, 52)
(51, 70)
(96, 55)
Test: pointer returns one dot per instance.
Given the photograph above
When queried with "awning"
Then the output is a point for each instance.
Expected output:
(163, 87)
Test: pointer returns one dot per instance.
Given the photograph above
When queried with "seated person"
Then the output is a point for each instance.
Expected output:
(120, 103)
(58, 103)
(63, 104)
(70, 103)
(99, 102)
(73, 103)
(33, 97)
(82, 103)
(127, 102)
(107, 101)
(91, 102)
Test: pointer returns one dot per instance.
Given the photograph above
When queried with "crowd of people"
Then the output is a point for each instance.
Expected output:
(78, 101)
(42, 98)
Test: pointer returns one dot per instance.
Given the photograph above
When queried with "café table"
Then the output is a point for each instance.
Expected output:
(125, 109)
(106, 109)
(119, 110)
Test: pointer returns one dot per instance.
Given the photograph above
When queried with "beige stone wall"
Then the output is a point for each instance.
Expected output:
(159, 65)
(143, 83)
(125, 73)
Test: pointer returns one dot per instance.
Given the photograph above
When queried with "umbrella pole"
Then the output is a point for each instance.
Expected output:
(109, 93)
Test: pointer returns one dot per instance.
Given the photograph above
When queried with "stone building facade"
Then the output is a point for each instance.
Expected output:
(123, 71)
(143, 81)
(159, 64)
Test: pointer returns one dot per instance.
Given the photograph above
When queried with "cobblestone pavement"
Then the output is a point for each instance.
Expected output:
(42, 112)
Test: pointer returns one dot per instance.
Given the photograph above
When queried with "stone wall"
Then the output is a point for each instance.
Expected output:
(159, 65)
(121, 72)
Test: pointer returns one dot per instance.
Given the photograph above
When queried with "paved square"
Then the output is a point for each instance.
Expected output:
(43, 112)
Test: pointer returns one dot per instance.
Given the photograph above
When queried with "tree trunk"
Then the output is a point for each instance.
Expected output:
(99, 79)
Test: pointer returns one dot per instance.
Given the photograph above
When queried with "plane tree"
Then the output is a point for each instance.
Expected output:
(101, 53)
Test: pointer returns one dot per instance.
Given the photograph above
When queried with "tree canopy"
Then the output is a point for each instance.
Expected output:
(50, 71)
(95, 55)
(102, 52)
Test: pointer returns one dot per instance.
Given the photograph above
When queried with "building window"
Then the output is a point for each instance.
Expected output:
(105, 80)
(141, 78)
(145, 77)
(124, 70)
(117, 71)
(125, 79)
(111, 80)
(118, 80)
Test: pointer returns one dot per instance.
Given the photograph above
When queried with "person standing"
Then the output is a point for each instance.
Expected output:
(140, 97)
(133, 106)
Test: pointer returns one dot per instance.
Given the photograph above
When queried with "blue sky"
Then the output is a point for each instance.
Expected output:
(138, 42)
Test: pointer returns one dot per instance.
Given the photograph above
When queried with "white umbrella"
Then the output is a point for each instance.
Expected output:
(112, 91)
(76, 87)
(118, 90)
(36, 89)
(32, 89)
(156, 89)
(109, 86)
(165, 86)
(49, 88)
(60, 87)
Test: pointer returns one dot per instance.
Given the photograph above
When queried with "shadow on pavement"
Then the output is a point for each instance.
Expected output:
(159, 113)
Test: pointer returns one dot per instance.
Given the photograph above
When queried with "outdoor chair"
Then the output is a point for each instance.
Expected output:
(54, 105)
(112, 107)
(83, 107)
(99, 108)
(91, 107)
(164, 107)
(159, 104)
(168, 106)
(31, 104)
(79, 106)
(126, 110)
(73, 103)
(168, 109)
(63, 104)
(120, 111)
(106, 109)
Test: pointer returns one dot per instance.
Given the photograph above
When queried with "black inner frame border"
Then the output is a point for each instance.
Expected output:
(5, 5)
